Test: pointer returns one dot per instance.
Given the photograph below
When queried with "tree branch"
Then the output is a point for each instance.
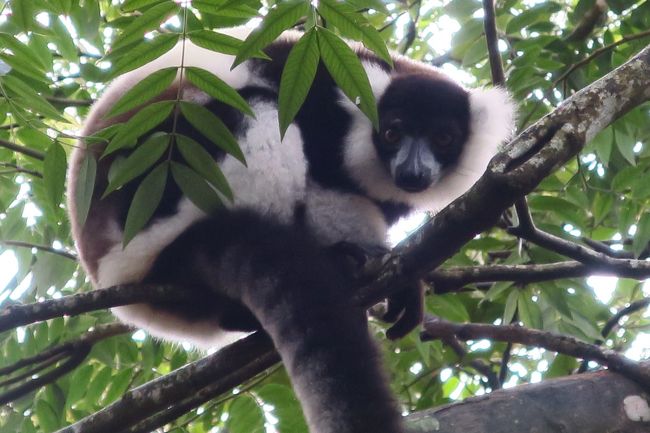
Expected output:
(595, 15)
(490, 26)
(22, 149)
(452, 279)
(67, 102)
(437, 328)
(587, 403)
(75, 350)
(19, 315)
(45, 248)
(222, 371)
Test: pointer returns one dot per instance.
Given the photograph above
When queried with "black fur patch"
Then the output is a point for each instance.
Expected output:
(279, 277)
(427, 107)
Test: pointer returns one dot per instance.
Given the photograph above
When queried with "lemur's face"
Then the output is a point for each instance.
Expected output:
(423, 125)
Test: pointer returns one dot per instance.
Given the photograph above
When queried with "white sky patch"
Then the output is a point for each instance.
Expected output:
(405, 226)
(480, 345)
(640, 348)
(20, 290)
(443, 30)
(603, 287)
(44, 19)
(416, 368)
(9, 267)
(139, 335)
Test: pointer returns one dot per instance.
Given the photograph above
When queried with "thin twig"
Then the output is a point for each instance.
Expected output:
(492, 38)
(438, 329)
(22, 149)
(45, 248)
(18, 169)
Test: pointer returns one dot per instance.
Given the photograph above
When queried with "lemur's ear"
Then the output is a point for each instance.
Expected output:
(493, 118)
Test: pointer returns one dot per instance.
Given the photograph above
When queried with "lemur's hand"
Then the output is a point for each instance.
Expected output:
(406, 310)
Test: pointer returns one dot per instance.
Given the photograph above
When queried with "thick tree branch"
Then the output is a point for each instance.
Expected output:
(437, 328)
(587, 403)
(221, 371)
(19, 315)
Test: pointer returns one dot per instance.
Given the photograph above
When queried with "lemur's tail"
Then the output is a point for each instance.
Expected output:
(299, 296)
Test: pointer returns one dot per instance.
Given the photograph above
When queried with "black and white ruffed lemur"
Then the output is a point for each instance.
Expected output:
(263, 261)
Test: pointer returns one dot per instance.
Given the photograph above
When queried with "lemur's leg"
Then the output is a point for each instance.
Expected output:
(295, 290)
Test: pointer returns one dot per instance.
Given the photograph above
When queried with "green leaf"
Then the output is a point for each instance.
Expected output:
(21, 50)
(377, 5)
(346, 69)
(215, 41)
(24, 66)
(22, 13)
(139, 161)
(85, 185)
(280, 18)
(32, 99)
(119, 384)
(529, 311)
(235, 9)
(497, 289)
(142, 92)
(208, 124)
(81, 380)
(54, 167)
(286, 407)
(143, 121)
(63, 41)
(355, 26)
(195, 188)
(217, 88)
(476, 52)
(98, 385)
(145, 201)
(602, 143)
(642, 235)
(149, 20)
(297, 76)
(202, 162)
(143, 53)
(511, 307)
(47, 419)
(246, 416)
(132, 5)
(448, 306)
(625, 144)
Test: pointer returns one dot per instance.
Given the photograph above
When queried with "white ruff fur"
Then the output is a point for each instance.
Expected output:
(492, 117)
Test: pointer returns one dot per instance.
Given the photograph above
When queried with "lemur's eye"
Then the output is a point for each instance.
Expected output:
(444, 140)
(392, 135)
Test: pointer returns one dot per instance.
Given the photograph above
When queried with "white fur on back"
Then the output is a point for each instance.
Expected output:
(335, 217)
(275, 177)
(273, 181)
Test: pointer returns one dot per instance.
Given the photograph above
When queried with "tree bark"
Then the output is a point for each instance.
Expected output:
(600, 402)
